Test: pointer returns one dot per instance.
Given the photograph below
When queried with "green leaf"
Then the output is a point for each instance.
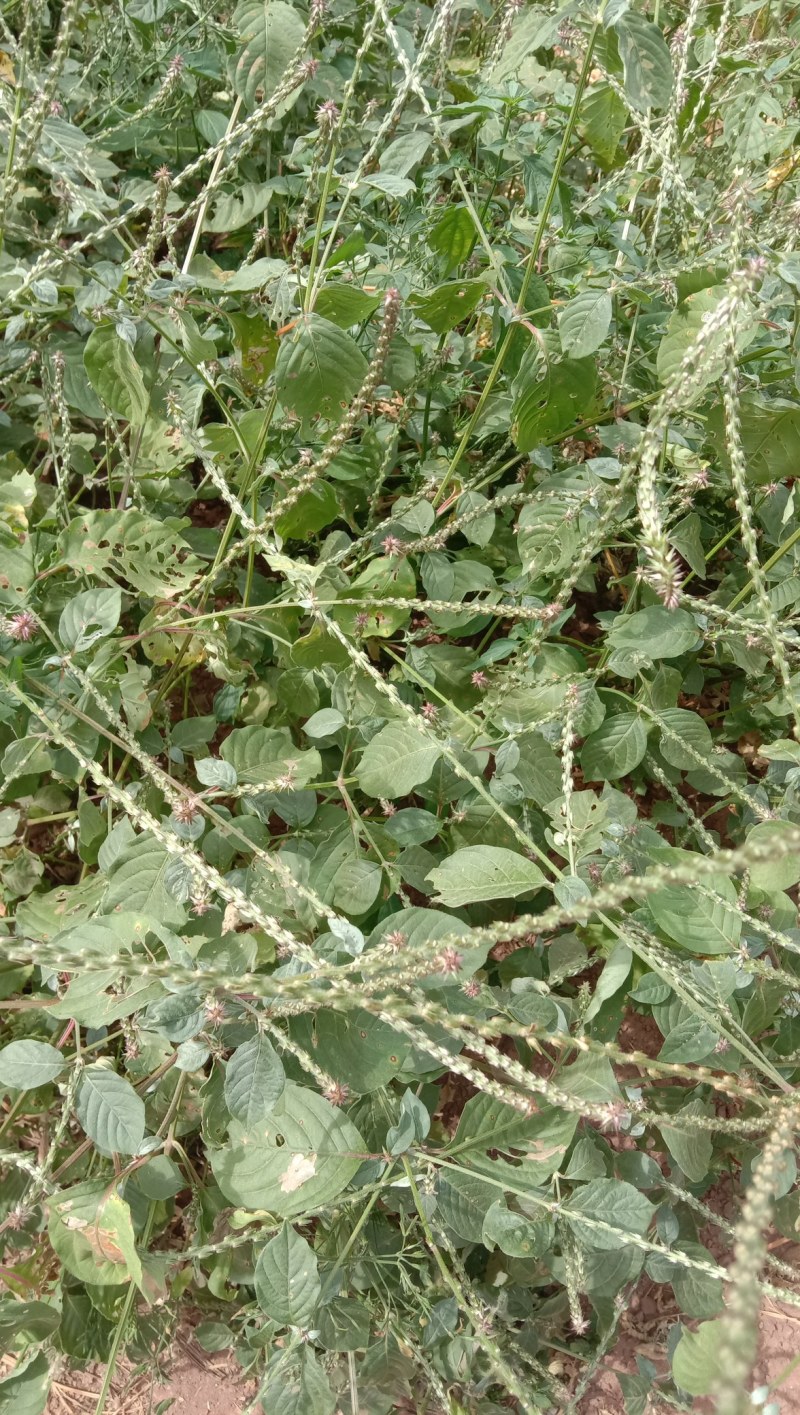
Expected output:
(584, 323)
(254, 1081)
(782, 869)
(24, 1390)
(449, 304)
(684, 328)
(609, 1201)
(694, 921)
(452, 237)
(262, 755)
(89, 617)
(90, 1228)
(683, 727)
(26, 1064)
(513, 1234)
(617, 746)
(319, 369)
(690, 1149)
(649, 79)
(396, 761)
(344, 1325)
(550, 397)
(695, 1361)
(481, 872)
(271, 32)
(770, 437)
(655, 632)
(603, 116)
(110, 1111)
(286, 1279)
(137, 882)
(300, 1157)
(301, 1388)
(345, 305)
(463, 1201)
(115, 375)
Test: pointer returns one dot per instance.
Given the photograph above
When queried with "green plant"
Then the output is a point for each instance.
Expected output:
(399, 680)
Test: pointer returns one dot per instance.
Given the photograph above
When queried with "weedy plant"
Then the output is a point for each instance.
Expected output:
(399, 682)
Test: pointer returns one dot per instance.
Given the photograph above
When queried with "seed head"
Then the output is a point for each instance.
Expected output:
(214, 1010)
(479, 678)
(396, 940)
(327, 116)
(449, 960)
(21, 627)
(388, 808)
(430, 712)
(392, 545)
(337, 1094)
(186, 810)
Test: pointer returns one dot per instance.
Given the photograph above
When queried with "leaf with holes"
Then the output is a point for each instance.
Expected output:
(319, 369)
(298, 1158)
(550, 397)
(271, 34)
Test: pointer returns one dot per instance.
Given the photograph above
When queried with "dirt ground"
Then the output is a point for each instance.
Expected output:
(210, 1385)
(779, 1344)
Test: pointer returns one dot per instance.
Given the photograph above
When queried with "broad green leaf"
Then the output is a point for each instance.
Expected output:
(150, 555)
(649, 79)
(683, 727)
(110, 1111)
(254, 1081)
(137, 881)
(481, 872)
(300, 1157)
(550, 397)
(115, 375)
(685, 326)
(344, 1325)
(513, 1234)
(90, 1228)
(396, 760)
(584, 323)
(608, 1201)
(26, 1064)
(271, 33)
(463, 1201)
(24, 1390)
(264, 755)
(695, 1363)
(452, 237)
(449, 304)
(617, 746)
(770, 436)
(782, 869)
(655, 632)
(89, 617)
(298, 1388)
(542, 1138)
(345, 305)
(287, 1281)
(694, 921)
(690, 1149)
(603, 117)
(319, 369)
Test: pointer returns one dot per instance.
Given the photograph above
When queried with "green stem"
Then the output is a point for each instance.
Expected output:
(530, 265)
(119, 1334)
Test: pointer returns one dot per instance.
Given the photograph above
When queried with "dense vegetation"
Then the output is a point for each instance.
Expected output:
(399, 681)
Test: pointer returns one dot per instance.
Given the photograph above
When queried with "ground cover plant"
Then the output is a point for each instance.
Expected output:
(399, 681)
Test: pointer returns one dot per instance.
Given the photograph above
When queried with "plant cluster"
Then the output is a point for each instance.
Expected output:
(399, 690)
